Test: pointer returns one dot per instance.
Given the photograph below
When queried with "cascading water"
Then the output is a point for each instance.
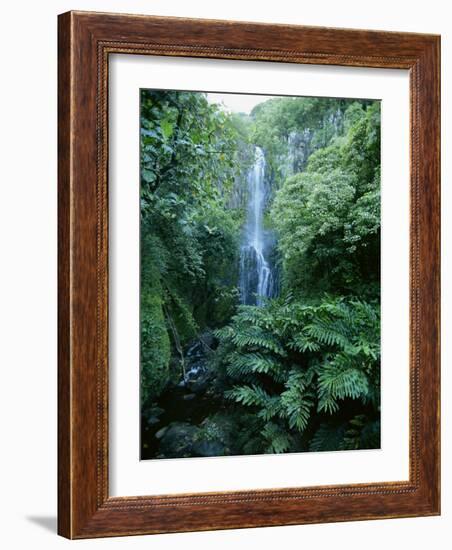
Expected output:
(256, 277)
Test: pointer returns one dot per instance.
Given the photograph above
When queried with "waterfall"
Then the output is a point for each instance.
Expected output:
(256, 277)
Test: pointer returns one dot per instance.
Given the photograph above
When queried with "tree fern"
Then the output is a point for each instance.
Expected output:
(328, 437)
(296, 361)
(303, 342)
(255, 337)
(242, 364)
(342, 380)
(359, 432)
(249, 395)
(277, 439)
(298, 399)
(362, 433)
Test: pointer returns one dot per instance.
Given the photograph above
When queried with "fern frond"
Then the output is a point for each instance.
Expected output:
(298, 399)
(342, 381)
(362, 433)
(328, 438)
(278, 440)
(328, 334)
(327, 403)
(224, 333)
(271, 408)
(248, 395)
(257, 338)
(301, 342)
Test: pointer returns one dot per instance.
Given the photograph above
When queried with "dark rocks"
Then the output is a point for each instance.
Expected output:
(212, 437)
(199, 347)
(152, 415)
(179, 426)
(209, 448)
(161, 432)
(207, 340)
(189, 396)
(200, 384)
(177, 440)
(153, 420)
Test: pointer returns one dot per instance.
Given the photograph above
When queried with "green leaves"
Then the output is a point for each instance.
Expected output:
(359, 432)
(248, 395)
(257, 338)
(167, 127)
(298, 399)
(302, 370)
(327, 211)
(340, 381)
(148, 176)
(320, 357)
(242, 364)
(185, 190)
(276, 439)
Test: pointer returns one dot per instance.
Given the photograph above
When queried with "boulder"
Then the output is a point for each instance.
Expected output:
(209, 448)
(189, 396)
(177, 440)
(152, 415)
(161, 432)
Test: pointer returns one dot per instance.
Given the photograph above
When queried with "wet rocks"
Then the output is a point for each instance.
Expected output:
(189, 396)
(209, 448)
(152, 415)
(177, 440)
(161, 432)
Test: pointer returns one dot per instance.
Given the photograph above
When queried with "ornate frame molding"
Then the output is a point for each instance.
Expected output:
(85, 42)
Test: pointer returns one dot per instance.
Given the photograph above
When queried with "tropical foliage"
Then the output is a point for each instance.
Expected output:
(301, 372)
(302, 368)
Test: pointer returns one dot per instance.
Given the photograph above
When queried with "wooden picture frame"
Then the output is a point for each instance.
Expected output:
(86, 40)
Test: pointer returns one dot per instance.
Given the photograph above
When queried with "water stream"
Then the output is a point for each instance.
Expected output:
(256, 280)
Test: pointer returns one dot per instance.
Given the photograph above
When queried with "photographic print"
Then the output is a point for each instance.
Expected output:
(222, 262)
(259, 274)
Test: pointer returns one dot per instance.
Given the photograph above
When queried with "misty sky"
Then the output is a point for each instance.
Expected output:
(238, 103)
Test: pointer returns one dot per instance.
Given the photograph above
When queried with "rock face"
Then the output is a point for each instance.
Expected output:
(212, 437)
(177, 440)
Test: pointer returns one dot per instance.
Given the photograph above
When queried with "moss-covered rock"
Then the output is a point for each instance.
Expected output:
(155, 348)
(177, 440)
(215, 436)
(155, 343)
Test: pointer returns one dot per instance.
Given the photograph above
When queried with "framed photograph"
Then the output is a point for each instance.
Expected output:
(248, 275)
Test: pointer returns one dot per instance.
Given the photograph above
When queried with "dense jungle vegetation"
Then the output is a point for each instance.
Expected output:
(300, 371)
